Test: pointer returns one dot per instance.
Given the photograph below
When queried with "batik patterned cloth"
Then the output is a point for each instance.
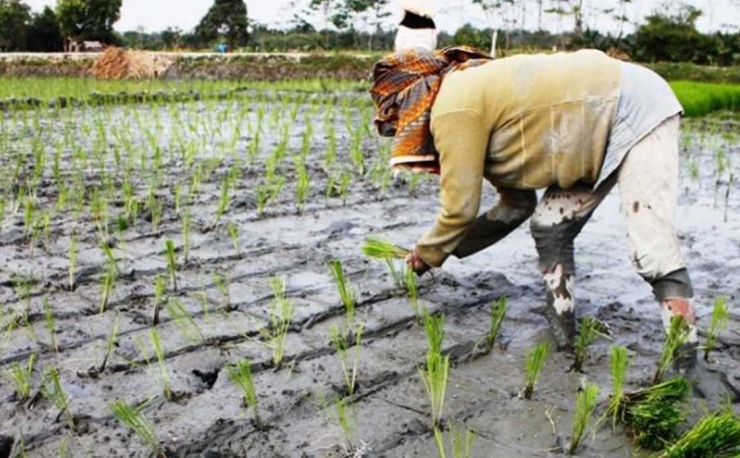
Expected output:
(405, 87)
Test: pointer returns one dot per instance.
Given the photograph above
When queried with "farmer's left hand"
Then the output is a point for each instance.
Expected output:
(414, 261)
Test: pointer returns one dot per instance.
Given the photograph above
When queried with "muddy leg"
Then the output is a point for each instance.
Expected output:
(648, 181)
(558, 219)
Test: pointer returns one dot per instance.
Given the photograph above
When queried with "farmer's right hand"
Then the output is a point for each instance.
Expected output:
(414, 262)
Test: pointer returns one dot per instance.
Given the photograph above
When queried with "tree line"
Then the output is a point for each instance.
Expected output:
(667, 35)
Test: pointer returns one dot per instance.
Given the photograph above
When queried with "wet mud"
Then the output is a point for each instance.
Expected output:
(206, 417)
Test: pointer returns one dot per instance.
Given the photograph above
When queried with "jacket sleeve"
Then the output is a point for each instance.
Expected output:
(461, 140)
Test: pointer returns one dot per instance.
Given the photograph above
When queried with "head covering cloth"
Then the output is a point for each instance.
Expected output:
(405, 87)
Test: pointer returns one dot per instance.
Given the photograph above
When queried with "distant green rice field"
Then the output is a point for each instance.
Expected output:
(699, 99)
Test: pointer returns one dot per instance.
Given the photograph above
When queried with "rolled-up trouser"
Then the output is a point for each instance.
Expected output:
(648, 182)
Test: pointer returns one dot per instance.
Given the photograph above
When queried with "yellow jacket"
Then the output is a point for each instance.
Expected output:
(523, 123)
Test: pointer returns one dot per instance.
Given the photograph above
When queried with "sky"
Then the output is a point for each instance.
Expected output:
(155, 15)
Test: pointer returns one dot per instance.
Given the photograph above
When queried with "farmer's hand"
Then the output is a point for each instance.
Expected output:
(414, 262)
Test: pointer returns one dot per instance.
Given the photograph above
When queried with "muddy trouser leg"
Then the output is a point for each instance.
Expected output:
(648, 182)
(558, 219)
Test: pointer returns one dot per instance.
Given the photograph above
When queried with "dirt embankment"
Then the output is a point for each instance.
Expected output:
(261, 67)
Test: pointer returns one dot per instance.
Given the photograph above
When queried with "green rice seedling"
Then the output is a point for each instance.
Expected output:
(72, 266)
(164, 376)
(588, 333)
(720, 318)
(177, 196)
(54, 392)
(108, 252)
(223, 202)
(50, 325)
(23, 286)
(436, 372)
(108, 280)
(345, 418)
(110, 344)
(281, 316)
(345, 181)
(241, 376)
(619, 364)
(498, 313)
(462, 442)
(381, 249)
(586, 400)
(182, 317)
(730, 183)
(716, 435)
(350, 366)
(412, 290)
(169, 246)
(185, 220)
(160, 296)
(22, 377)
(330, 155)
(222, 285)
(303, 183)
(133, 419)
(233, 229)
(348, 297)
(678, 334)
(535, 362)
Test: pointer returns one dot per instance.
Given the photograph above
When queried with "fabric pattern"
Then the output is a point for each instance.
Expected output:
(405, 87)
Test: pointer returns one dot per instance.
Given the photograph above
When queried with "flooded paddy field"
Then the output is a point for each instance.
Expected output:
(254, 188)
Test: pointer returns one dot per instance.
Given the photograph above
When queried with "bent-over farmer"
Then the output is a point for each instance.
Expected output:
(575, 125)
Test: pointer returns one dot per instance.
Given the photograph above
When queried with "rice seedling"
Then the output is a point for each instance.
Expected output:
(72, 266)
(132, 418)
(590, 330)
(160, 296)
(163, 373)
(678, 334)
(109, 278)
(619, 365)
(109, 344)
(54, 392)
(412, 290)
(22, 378)
(462, 442)
(535, 362)
(380, 249)
(716, 435)
(222, 285)
(241, 376)
(169, 246)
(182, 317)
(23, 286)
(345, 181)
(586, 400)
(185, 221)
(223, 202)
(233, 229)
(281, 316)
(343, 344)
(730, 183)
(498, 313)
(346, 294)
(345, 418)
(303, 183)
(108, 252)
(720, 318)
(436, 371)
(50, 325)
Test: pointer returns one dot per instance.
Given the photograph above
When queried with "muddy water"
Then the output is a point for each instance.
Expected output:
(390, 406)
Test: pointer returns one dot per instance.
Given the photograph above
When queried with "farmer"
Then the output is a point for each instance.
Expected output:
(417, 29)
(572, 124)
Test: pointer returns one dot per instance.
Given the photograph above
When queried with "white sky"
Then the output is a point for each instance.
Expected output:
(154, 15)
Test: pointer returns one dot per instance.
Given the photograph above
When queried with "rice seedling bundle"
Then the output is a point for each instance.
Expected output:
(380, 249)
(436, 371)
(678, 334)
(588, 333)
(241, 376)
(498, 313)
(720, 318)
(462, 442)
(133, 420)
(716, 435)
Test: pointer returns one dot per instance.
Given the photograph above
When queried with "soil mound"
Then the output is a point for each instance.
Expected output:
(116, 63)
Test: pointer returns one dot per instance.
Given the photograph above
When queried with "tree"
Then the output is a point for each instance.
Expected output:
(497, 12)
(226, 18)
(673, 37)
(88, 19)
(14, 19)
(43, 32)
